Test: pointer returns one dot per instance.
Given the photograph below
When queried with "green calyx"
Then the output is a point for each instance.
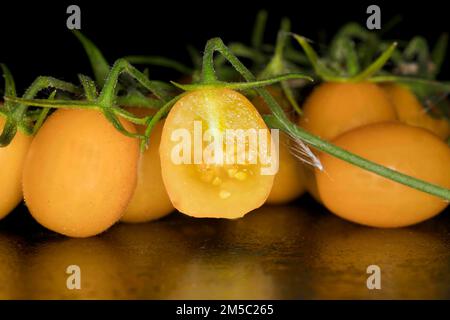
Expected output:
(327, 74)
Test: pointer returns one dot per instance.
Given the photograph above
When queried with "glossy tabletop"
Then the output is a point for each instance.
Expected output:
(298, 251)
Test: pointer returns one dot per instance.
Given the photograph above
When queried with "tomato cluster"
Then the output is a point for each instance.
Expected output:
(83, 170)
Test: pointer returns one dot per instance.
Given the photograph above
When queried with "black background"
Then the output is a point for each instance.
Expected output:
(35, 40)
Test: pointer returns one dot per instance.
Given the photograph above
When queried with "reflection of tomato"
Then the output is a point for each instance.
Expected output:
(410, 111)
(407, 257)
(80, 173)
(364, 197)
(334, 108)
(11, 281)
(101, 269)
(213, 189)
(12, 159)
(156, 255)
(150, 200)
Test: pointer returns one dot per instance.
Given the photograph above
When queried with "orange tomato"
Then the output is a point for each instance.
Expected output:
(12, 159)
(410, 111)
(80, 173)
(208, 188)
(366, 198)
(334, 108)
(311, 183)
(150, 200)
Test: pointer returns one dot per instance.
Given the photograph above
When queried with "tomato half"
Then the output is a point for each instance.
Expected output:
(366, 198)
(80, 173)
(208, 188)
(334, 108)
(410, 111)
(12, 159)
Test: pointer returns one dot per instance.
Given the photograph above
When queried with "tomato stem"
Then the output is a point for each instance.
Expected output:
(376, 65)
(16, 112)
(258, 29)
(107, 94)
(98, 62)
(161, 113)
(243, 85)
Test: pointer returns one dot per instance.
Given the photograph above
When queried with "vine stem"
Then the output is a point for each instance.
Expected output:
(161, 113)
(105, 101)
(443, 86)
(242, 85)
(15, 111)
(208, 71)
(107, 94)
(160, 61)
(286, 125)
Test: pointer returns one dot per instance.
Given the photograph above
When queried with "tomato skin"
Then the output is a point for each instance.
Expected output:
(150, 200)
(191, 187)
(334, 108)
(289, 182)
(12, 159)
(411, 112)
(311, 183)
(80, 173)
(366, 198)
(278, 94)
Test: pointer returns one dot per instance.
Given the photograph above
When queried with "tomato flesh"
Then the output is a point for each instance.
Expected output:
(213, 189)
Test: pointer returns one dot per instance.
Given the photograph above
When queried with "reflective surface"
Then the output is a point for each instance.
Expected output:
(286, 252)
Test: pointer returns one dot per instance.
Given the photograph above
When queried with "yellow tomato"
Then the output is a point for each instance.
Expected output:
(410, 111)
(150, 200)
(12, 159)
(334, 108)
(311, 183)
(80, 173)
(199, 185)
(366, 198)
(278, 95)
(289, 182)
